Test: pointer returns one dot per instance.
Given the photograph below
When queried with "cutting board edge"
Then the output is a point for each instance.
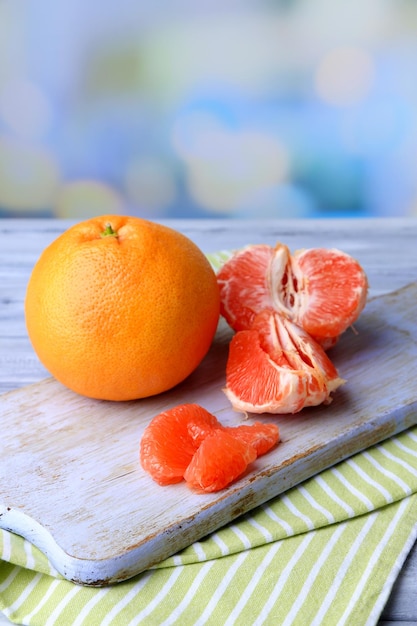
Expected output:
(153, 550)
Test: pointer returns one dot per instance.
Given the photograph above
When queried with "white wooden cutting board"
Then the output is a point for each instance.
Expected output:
(71, 482)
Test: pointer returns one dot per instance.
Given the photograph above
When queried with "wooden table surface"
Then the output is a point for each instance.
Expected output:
(386, 248)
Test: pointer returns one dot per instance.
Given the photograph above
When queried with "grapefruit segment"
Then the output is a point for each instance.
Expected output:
(260, 436)
(220, 459)
(171, 439)
(334, 291)
(243, 285)
(276, 367)
(255, 383)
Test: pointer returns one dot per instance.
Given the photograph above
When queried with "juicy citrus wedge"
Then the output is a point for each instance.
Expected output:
(189, 442)
(171, 439)
(260, 436)
(276, 367)
(321, 290)
(219, 460)
(333, 291)
(244, 285)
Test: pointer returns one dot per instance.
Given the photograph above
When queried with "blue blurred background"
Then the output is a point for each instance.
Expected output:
(234, 108)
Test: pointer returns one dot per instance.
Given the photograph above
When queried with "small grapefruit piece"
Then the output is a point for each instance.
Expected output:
(260, 436)
(170, 440)
(276, 367)
(322, 290)
(220, 459)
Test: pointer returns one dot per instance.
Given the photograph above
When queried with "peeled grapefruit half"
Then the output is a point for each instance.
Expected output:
(322, 290)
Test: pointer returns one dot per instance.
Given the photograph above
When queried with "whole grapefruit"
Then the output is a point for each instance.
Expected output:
(121, 308)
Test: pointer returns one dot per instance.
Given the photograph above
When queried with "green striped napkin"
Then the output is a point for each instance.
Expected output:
(326, 552)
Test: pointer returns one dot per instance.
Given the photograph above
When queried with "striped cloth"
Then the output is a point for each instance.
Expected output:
(326, 552)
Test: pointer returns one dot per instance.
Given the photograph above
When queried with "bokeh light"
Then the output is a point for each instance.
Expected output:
(86, 198)
(225, 168)
(25, 109)
(29, 177)
(208, 109)
(149, 184)
(344, 76)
